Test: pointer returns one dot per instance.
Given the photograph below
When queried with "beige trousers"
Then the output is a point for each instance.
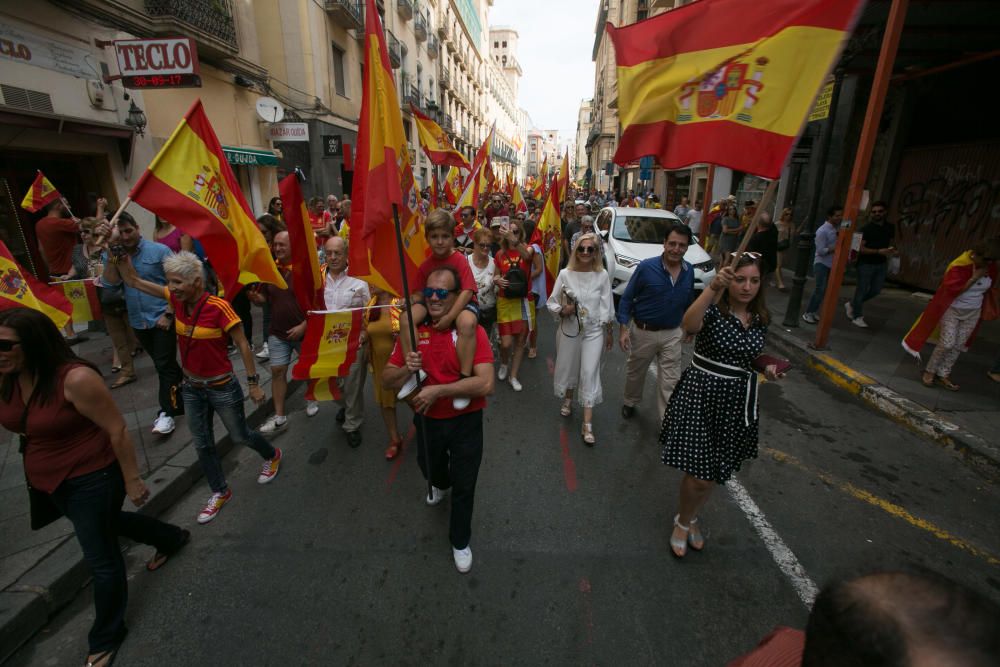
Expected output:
(120, 333)
(665, 346)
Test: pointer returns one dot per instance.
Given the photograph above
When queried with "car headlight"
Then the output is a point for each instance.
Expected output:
(625, 261)
(705, 266)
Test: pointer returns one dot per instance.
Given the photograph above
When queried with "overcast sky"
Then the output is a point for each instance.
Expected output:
(556, 38)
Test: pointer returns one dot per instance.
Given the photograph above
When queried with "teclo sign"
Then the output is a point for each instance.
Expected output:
(170, 62)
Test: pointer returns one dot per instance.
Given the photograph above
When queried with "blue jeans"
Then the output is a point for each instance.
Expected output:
(871, 278)
(822, 274)
(200, 406)
(93, 503)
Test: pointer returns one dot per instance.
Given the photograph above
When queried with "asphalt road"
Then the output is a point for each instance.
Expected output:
(339, 561)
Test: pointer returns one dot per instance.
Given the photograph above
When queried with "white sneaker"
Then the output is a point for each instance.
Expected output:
(263, 353)
(810, 318)
(859, 322)
(502, 372)
(274, 424)
(410, 386)
(163, 424)
(312, 407)
(460, 403)
(849, 309)
(515, 385)
(435, 496)
(463, 559)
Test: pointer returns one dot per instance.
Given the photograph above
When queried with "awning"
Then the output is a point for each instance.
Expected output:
(251, 157)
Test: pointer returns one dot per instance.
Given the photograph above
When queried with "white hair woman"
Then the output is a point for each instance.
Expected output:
(581, 301)
(204, 325)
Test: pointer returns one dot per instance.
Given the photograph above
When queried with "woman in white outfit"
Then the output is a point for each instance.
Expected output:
(581, 301)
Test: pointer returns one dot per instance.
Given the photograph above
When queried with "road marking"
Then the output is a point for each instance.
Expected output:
(588, 610)
(394, 470)
(887, 506)
(569, 468)
(782, 555)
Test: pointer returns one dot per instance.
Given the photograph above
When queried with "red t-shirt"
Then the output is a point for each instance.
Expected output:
(441, 365)
(58, 237)
(203, 351)
(455, 260)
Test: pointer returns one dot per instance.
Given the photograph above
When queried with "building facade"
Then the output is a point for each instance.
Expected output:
(581, 161)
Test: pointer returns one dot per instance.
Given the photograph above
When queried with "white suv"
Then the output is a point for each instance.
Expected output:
(635, 234)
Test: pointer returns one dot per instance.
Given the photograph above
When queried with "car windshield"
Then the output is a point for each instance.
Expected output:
(640, 228)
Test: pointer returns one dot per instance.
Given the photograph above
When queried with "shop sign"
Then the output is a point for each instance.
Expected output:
(289, 132)
(333, 145)
(28, 48)
(158, 63)
(821, 107)
(249, 158)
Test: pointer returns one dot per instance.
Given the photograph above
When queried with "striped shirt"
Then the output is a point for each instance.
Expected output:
(203, 343)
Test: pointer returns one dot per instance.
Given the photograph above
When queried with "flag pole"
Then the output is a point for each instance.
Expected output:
(412, 332)
(114, 219)
(765, 201)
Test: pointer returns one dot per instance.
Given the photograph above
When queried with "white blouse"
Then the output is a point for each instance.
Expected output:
(592, 292)
(486, 289)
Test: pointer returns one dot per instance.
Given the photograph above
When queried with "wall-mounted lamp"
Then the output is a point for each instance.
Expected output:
(136, 119)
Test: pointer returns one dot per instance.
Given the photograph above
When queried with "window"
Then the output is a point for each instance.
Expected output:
(505, 44)
(339, 82)
(496, 45)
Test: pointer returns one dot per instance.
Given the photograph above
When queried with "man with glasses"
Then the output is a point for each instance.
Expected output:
(873, 262)
(465, 229)
(449, 439)
(660, 290)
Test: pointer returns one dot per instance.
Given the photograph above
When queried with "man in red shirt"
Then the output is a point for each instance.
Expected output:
(58, 233)
(449, 440)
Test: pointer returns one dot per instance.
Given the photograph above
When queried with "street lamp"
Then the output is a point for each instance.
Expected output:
(136, 119)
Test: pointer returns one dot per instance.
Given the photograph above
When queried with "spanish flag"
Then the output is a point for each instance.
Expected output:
(324, 389)
(696, 86)
(191, 185)
(563, 182)
(453, 185)
(543, 174)
(40, 194)
(517, 200)
(330, 345)
(307, 283)
(434, 190)
(478, 181)
(435, 142)
(18, 288)
(383, 177)
(548, 234)
(82, 296)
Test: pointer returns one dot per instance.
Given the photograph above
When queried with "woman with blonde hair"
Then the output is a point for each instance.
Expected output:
(515, 316)
(581, 301)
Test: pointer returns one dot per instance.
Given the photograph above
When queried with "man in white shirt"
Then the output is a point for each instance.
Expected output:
(694, 218)
(342, 292)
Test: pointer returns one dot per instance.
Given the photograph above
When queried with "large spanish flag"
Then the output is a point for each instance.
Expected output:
(728, 82)
(82, 296)
(40, 194)
(435, 142)
(548, 234)
(19, 288)
(453, 185)
(191, 185)
(307, 283)
(382, 177)
(330, 345)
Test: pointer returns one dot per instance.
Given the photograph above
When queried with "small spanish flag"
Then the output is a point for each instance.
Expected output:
(40, 194)
(82, 296)
(330, 345)
(20, 288)
(435, 142)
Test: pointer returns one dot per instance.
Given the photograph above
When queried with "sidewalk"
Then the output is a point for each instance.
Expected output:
(40, 571)
(872, 364)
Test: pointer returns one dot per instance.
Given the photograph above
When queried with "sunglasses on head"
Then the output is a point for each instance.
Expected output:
(586, 249)
(440, 292)
(8, 345)
(751, 255)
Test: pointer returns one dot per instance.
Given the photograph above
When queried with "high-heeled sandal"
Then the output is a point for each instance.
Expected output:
(927, 379)
(588, 434)
(947, 383)
(695, 539)
(679, 547)
(567, 407)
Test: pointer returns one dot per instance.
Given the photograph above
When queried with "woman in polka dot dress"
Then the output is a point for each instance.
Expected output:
(710, 426)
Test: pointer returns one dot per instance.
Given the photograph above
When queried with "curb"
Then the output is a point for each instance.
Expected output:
(979, 454)
(28, 604)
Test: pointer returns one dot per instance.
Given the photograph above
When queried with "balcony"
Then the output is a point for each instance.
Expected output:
(465, 134)
(395, 54)
(445, 78)
(410, 95)
(209, 22)
(420, 27)
(405, 9)
(346, 13)
(446, 123)
(442, 30)
(432, 47)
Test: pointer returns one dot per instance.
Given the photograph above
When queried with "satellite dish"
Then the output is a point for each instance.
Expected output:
(270, 110)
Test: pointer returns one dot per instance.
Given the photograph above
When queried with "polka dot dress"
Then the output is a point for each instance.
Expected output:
(704, 429)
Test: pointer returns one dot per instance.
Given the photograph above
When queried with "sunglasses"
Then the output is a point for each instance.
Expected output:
(586, 250)
(8, 345)
(440, 292)
(752, 255)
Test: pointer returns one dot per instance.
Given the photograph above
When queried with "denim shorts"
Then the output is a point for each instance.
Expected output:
(280, 351)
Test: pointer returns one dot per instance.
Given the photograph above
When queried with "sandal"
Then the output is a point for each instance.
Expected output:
(927, 379)
(567, 407)
(116, 369)
(532, 352)
(393, 450)
(102, 659)
(695, 539)
(947, 384)
(160, 558)
(678, 547)
(123, 380)
(588, 434)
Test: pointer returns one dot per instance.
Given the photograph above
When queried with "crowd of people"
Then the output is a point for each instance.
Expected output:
(483, 281)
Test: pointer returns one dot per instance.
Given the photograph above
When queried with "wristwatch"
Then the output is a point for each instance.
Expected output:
(253, 379)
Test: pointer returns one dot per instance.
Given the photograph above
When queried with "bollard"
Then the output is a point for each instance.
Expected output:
(804, 254)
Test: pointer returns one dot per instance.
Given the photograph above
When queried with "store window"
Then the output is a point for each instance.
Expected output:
(339, 78)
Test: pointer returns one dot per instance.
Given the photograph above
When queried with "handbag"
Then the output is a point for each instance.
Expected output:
(761, 363)
(43, 509)
(112, 299)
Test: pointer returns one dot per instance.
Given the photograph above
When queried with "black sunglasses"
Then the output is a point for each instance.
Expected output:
(440, 292)
(8, 345)
(586, 250)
